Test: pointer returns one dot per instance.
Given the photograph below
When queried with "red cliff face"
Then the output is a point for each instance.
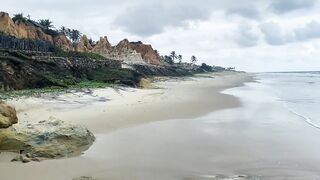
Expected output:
(103, 46)
(62, 42)
(84, 45)
(26, 31)
(147, 52)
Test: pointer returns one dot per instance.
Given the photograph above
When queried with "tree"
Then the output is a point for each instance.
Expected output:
(19, 18)
(180, 58)
(91, 42)
(63, 30)
(206, 67)
(193, 59)
(157, 52)
(74, 35)
(173, 55)
(46, 23)
(167, 59)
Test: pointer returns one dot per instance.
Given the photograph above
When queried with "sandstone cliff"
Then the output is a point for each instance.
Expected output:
(84, 45)
(24, 30)
(147, 52)
(102, 47)
(128, 52)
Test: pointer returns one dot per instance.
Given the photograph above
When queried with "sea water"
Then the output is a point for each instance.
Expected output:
(299, 92)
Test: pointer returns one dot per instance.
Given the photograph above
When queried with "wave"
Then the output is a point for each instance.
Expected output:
(305, 118)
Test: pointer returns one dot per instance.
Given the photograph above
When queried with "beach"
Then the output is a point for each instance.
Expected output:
(104, 111)
(222, 126)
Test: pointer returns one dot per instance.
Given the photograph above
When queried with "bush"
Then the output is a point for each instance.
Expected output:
(206, 67)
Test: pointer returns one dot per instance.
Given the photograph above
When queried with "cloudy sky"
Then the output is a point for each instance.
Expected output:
(260, 35)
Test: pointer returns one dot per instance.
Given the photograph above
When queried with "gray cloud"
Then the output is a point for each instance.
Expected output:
(251, 13)
(284, 6)
(274, 34)
(152, 18)
(310, 31)
(246, 35)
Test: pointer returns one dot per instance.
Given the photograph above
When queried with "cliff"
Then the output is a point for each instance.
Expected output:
(128, 52)
(148, 54)
(29, 30)
(24, 71)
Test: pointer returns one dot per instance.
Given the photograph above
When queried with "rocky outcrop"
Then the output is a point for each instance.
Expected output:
(148, 54)
(84, 45)
(8, 115)
(62, 42)
(46, 139)
(121, 52)
(102, 47)
(7, 25)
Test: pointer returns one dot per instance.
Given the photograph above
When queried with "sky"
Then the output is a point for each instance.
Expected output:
(251, 35)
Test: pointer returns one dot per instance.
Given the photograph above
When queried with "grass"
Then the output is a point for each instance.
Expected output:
(53, 89)
(90, 84)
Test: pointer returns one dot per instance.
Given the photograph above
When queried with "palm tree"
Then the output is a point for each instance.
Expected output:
(46, 23)
(173, 55)
(180, 58)
(63, 30)
(193, 59)
(19, 17)
(74, 35)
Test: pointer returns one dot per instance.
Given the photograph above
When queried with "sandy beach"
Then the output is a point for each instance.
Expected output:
(104, 111)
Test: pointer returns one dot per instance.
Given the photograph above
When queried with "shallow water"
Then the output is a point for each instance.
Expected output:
(263, 139)
(300, 92)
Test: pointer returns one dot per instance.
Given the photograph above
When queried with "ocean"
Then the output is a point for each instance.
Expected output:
(299, 92)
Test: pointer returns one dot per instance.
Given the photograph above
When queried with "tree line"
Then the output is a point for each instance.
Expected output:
(173, 56)
(47, 26)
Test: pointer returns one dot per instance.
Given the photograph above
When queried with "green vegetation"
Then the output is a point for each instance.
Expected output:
(75, 54)
(53, 89)
(171, 57)
(61, 80)
(46, 23)
(179, 57)
(206, 67)
(193, 59)
(73, 34)
(20, 18)
(90, 84)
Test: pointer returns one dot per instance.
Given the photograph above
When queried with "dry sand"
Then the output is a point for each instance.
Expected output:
(106, 110)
